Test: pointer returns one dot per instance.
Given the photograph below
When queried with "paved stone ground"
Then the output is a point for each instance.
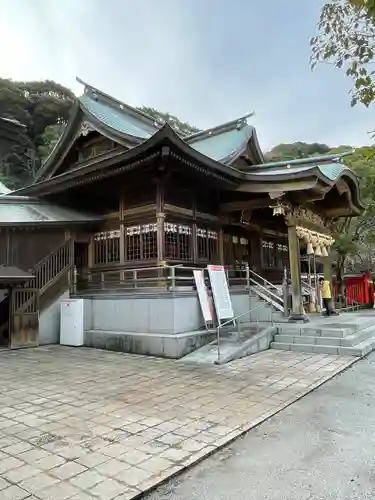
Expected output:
(89, 424)
(320, 448)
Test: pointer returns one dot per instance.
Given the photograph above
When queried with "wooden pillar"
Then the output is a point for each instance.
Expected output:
(160, 216)
(221, 246)
(327, 271)
(122, 236)
(297, 313)
(194, 231)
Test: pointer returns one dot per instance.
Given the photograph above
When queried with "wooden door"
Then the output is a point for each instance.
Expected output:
(24, 316)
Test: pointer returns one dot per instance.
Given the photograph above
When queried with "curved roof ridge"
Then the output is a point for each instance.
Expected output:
(301, 161)
(121, 105)
(217, 129)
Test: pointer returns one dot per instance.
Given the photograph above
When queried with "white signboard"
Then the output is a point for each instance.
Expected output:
(203, 296)
(220, 292)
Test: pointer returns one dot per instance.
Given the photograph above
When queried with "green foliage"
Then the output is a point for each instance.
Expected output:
(354, 237)
(48, 140)
(295, 150)
(43, 107)
(347, 40)
(181, 128)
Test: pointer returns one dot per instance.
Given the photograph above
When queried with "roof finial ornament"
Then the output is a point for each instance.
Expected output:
(240, 123)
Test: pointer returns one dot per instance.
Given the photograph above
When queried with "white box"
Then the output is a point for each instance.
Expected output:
(71, 322)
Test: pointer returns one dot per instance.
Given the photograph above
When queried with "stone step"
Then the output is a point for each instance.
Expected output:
(359, 349)
(314, 331)
(359, 337)
(348, 341)
(312, 348)
(307, 340)
(337, 328)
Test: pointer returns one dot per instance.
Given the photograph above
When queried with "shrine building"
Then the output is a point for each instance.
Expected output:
(124, 209)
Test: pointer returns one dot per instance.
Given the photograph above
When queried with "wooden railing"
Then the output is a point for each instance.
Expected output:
(168, 278)
(52, 266)
(46, 272)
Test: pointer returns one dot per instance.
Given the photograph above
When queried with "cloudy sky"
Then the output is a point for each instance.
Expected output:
(206, 61)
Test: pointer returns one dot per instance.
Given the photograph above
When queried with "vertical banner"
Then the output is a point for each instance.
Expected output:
(220, 292)
(203, 296)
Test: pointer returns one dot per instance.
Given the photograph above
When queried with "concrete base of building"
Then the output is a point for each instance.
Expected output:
(162, 345)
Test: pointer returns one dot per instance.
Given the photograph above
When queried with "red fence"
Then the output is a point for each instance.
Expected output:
(359, 289)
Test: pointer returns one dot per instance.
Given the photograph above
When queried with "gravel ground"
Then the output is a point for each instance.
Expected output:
(322, 447)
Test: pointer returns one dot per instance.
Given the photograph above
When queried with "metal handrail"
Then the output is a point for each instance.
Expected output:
(269, 296)
(232, 320)
(304, 283)
(263, 279)
(273, 294)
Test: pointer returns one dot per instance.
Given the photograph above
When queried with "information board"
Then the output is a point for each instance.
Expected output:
(220, 292)
(203, 296)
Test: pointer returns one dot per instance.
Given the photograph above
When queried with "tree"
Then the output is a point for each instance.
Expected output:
(181, 128)
(296, 150)
(355, 237)
(48, 140)
(43, 107)
(347, 40)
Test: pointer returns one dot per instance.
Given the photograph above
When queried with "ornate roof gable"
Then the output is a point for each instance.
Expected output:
(95, 110)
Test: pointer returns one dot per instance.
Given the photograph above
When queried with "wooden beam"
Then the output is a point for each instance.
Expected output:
(268, 187)
(231, 206)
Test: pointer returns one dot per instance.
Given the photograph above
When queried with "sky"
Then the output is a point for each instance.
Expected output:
(205, 61)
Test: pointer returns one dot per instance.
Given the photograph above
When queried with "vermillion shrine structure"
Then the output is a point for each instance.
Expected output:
(124, 208)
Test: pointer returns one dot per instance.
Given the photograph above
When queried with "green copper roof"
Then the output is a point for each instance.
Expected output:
(118, 119)
(220, 144)
(330, 170)
(223, 146)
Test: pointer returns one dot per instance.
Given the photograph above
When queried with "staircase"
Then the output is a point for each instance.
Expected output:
(352, 334)
(271, 296)
(52, 277)
(52, 267)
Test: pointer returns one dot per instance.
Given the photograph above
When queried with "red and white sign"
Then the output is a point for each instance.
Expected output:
(220, 292)
(203, 296)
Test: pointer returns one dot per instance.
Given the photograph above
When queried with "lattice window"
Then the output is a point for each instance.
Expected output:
(107, 247)
(141, 242)
(177, 241)
(208, 244)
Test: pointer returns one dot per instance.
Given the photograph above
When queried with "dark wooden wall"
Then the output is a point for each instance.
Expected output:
(24, 248)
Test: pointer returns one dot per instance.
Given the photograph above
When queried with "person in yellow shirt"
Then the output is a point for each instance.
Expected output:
(325, 290)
